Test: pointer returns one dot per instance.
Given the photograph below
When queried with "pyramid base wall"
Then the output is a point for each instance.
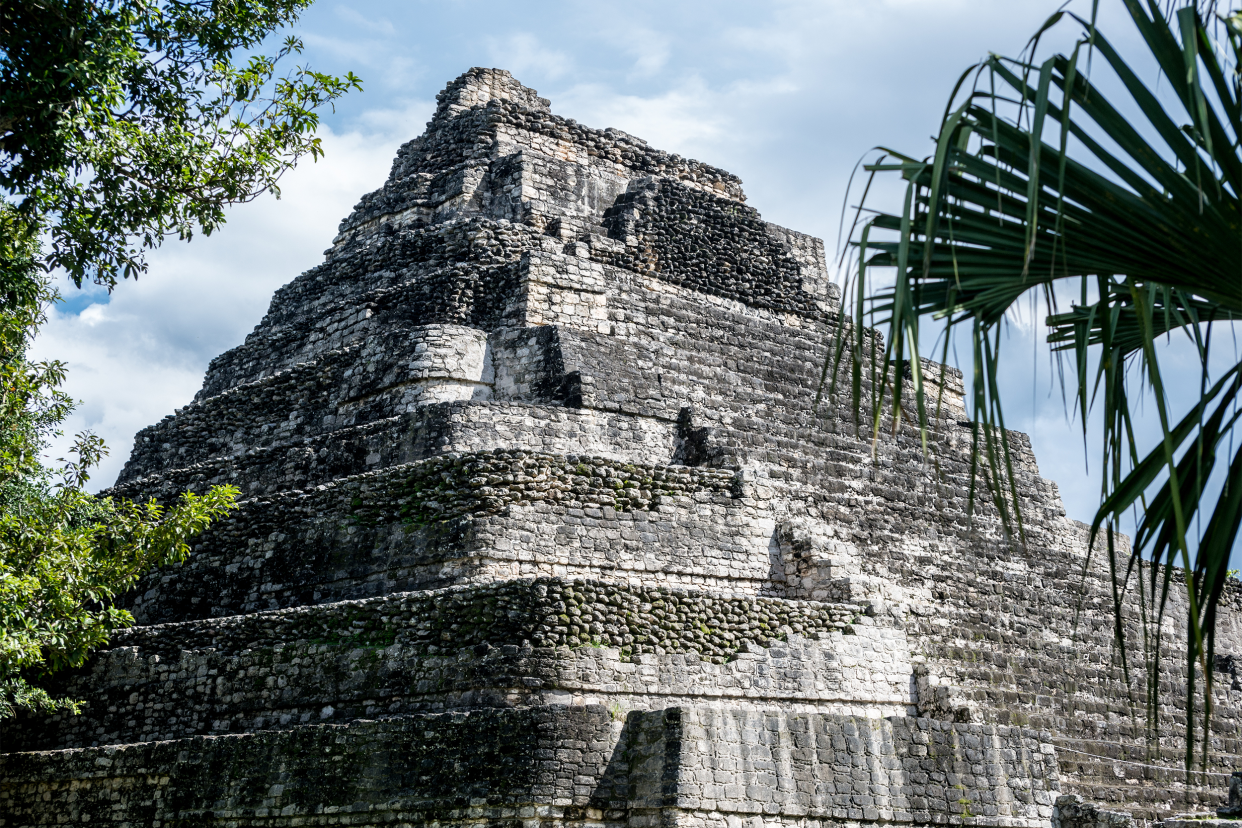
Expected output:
(552, 765)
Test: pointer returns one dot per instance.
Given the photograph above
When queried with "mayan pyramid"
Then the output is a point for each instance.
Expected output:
(543, 526)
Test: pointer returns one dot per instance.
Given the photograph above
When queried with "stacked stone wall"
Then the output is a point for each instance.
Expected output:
(433, 429)
(454, 517)
(552, 766)
(449, 768)
(461, 136)
(408, 652)
(708, 243)
(350, 386)
(821, 770)
(455, 273)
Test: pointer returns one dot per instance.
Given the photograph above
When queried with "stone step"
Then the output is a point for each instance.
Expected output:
(470, 292)
(365, 773)
(1131, 772)
(558, 358)
(479, 516)
(1152, 801)
(611, 371)
(386, 375)
(551, 766)
(430, 430)
(507, 643)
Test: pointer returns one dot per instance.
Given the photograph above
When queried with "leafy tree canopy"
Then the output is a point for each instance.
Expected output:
(64, 554)
(125, 121)
(121, 122)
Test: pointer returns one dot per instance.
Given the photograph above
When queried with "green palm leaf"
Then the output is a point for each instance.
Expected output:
(1042, 181)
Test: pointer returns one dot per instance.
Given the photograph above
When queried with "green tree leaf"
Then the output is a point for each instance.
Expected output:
(123, 122)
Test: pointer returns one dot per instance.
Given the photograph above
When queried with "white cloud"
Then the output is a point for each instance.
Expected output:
(686, 117)
(650, 51)
(522, 53)
(399, 123)
(351, 15)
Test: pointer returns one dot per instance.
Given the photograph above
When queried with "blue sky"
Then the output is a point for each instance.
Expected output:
(787, 95)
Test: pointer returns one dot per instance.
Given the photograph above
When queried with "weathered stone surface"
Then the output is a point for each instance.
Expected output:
(546, 520)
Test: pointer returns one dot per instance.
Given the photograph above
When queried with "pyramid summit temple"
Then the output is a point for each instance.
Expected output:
(543, 525)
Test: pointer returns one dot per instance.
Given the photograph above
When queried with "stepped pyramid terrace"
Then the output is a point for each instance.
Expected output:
(542, 525)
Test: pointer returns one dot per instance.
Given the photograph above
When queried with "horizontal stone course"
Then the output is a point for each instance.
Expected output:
(483, 483)
(433, 522)
(432, 429)
(446, 767)
(346, 387)
(136, 697)
(705, 242)
(405, 652)
(542, 612)
(437, 767)
(460, 272)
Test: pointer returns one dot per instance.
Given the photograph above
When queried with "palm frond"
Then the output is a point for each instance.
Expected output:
(1043, 181)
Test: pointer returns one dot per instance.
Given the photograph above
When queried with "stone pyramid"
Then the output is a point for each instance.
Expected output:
(544, 526)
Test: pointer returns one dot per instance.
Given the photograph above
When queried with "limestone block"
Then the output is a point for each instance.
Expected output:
(449, 362)
(563, 290)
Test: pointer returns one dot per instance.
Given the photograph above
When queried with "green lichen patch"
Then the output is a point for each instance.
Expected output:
(487, 482)
(543, 612)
